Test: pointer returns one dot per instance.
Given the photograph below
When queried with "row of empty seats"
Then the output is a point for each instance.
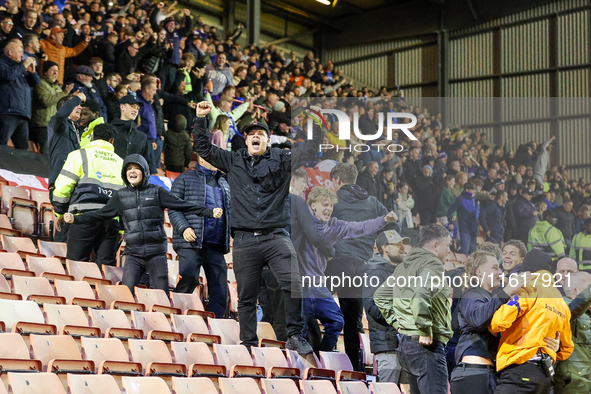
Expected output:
(25, 383)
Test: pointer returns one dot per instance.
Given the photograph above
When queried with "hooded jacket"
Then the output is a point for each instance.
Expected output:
(356, 205)
(421, 306)
(129, 140)
(194, 186)
(535, 312)
(383, 337)
(142, 210)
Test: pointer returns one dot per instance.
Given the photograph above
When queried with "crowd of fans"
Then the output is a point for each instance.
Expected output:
(148, 70)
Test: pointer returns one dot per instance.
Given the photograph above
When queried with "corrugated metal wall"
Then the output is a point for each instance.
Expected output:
(535, 53)
(373, 71)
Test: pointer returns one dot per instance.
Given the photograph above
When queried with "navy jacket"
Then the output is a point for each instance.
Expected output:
(468, 210)
(91, 93)
(523, 211)
(492, 218)
(15, 88)
(474, 313)
(191, 186)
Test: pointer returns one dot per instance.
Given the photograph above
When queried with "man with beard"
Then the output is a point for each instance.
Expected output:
(84, 83)
(383, 336)
(45, 98)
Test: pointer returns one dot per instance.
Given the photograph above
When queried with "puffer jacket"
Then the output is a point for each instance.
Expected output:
(492, 219)
(59, 53)
(192, 186)
(382, 336)
(535, 312)
(64, 137)
(142, 210)
(566, 222)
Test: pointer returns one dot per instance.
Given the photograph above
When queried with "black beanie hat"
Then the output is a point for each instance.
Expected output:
(47, 65)
(536, 260)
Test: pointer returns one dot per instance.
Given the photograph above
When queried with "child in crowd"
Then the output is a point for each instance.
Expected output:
(405, 205)
(141, 206)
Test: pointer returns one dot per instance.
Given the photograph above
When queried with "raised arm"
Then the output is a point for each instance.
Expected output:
(309, 149)
(215, 156)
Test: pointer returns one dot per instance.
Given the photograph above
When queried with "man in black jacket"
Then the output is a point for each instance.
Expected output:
(129, 140)
(355, 205)
(203, 242)
(492, 218)
(64, 136)
(367, 179)
(383, 337)
(259, 178)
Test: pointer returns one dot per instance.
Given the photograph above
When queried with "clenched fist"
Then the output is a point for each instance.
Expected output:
(189, 235)
(203, 108)
(391, 217)
(217, 213)
(69, 217)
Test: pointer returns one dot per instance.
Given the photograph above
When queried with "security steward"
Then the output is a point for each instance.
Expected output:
(88, 179)
(524, 359)
(581, 248)
(259, 178)
(546, 237)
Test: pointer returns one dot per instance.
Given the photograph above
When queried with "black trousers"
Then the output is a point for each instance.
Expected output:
(16, 128)
(39, 136)
(135, 267)
(473, 379)
(351, 303)
(216, 272)
(250, 254)
(524, 379)
(271, 301)
(425, 366)
(102, 237)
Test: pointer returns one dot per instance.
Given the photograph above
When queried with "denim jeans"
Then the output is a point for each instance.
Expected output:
(135, 267)
(214, 265)
(468, 242)
(250, 254)
(425, 366)
(322, 306)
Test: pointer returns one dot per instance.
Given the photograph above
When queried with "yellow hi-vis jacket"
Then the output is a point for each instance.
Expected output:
(547, 238)
(88, 179)
(535, 312)
(581, 251)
